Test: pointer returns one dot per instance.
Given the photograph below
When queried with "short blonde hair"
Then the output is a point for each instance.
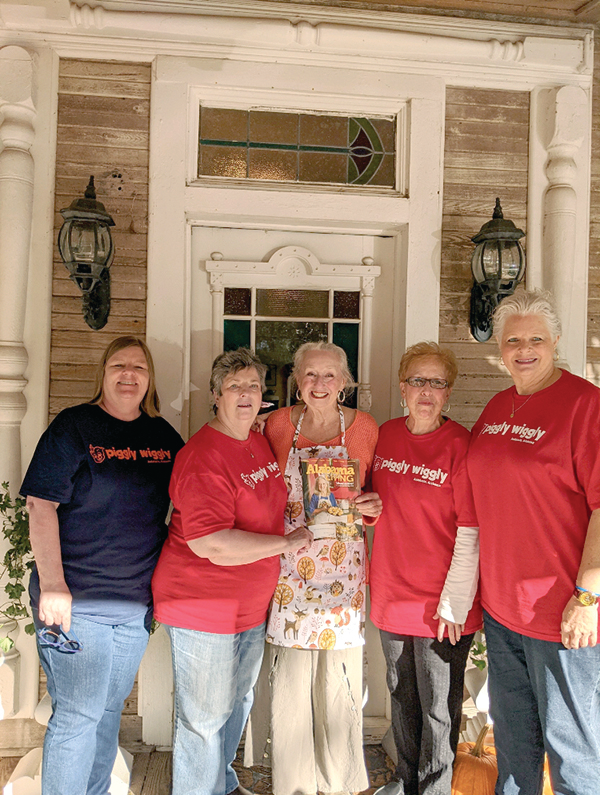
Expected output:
(425, 350)
(527, 302)
(150, 404)
(328, 347)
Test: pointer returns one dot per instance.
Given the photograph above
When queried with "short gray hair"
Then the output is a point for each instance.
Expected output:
(231, 362)
(527, 302)
(327, 347)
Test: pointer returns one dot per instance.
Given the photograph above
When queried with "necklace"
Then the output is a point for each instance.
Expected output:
(514, 410)
(227, 432)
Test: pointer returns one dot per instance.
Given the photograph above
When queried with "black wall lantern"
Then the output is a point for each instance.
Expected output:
(498, 265)
(86, 248)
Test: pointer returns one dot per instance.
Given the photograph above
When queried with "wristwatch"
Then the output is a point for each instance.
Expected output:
(585, 597)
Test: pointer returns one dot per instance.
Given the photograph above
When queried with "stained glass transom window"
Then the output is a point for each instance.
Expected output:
(297, 147)
(282, 320)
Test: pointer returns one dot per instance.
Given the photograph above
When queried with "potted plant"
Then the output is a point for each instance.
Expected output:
(17, 563)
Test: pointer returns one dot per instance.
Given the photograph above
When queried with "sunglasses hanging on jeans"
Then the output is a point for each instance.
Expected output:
(58, 639)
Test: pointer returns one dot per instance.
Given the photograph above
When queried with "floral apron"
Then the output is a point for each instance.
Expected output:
(319, 602)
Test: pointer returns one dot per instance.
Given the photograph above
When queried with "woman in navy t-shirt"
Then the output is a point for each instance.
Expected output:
(97, 494)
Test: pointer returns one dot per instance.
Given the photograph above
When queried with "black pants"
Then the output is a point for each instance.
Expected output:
(425, 679)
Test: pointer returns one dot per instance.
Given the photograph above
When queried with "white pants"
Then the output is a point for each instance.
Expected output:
(315, 740)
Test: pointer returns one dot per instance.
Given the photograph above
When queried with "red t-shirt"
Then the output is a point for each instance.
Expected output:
(219, 483)
(536, 480)
(426, 494)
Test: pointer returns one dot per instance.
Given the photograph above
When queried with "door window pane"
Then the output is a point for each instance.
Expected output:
(238, 300)
(292, 303)
(276, 343)
(276, 340)
(346, 336)
(236, 334)
(346, 305)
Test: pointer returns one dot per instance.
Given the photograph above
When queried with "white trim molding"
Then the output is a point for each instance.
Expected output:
(479, 52)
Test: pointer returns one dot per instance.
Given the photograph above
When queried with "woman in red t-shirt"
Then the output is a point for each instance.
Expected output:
(534, 463)
(216, 575)
(424, 571)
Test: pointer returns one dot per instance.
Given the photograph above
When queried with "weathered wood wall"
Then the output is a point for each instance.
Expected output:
(103, 130)
(593, 345)
(486, 155)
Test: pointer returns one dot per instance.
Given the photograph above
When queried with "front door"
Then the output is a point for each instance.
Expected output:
(275, 289)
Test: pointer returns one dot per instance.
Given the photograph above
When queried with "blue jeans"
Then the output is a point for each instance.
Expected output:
(543, 698)
(214, 676)
(425, 679)
(88, 690)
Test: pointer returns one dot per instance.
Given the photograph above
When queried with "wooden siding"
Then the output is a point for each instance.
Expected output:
(103, 130)
(574, 11)
(593, 339)
(486, 155)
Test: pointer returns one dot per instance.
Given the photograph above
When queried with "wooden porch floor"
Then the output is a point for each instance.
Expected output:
(151, 774)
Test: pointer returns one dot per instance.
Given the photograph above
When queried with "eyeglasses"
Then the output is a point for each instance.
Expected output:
(59, 640)
(436, 383)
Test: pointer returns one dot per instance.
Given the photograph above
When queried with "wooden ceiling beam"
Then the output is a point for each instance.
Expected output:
(589, 12)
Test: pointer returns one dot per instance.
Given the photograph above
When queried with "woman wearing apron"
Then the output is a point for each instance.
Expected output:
(316, 624)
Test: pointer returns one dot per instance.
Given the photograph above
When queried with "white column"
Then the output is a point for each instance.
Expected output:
(366, 305)
(564, 268)
(218, 299)
(17, 116)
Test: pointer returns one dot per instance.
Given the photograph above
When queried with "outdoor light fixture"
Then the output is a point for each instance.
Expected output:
(498, 265)
(86, 248)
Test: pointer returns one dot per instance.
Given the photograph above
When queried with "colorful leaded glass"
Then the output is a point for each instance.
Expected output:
(281, 320)
(297, 147)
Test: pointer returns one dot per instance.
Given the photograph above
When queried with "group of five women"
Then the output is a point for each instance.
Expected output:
(518, 498)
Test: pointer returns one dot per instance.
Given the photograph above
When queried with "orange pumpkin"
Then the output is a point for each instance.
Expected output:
(475, 767)
(547, 784)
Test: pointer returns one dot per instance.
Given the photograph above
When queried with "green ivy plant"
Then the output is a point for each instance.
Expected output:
(17, 562)
(478, 651)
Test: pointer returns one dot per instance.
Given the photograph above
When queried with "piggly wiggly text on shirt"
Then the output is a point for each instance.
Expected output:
(423, 473)
(517, 432)
(258, 475)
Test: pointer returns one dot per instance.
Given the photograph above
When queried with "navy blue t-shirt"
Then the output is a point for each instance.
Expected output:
(111, 479)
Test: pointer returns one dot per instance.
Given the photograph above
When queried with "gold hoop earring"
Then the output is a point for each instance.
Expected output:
(502, 362)
(555, 355)
(403, 403)
(447, 407)
(343, 396)
(298, 395)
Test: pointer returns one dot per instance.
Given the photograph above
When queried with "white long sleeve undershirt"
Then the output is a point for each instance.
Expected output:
(463, 575)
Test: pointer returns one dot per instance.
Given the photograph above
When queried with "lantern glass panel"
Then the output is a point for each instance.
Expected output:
(478, 273)
(82, 241)
(104, 241)
(511, 259)
(86, 242)
(491, 259)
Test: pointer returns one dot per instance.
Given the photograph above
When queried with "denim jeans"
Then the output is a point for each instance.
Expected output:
(543, 698)
(425, 679)
(88, 690)
(214, 676)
